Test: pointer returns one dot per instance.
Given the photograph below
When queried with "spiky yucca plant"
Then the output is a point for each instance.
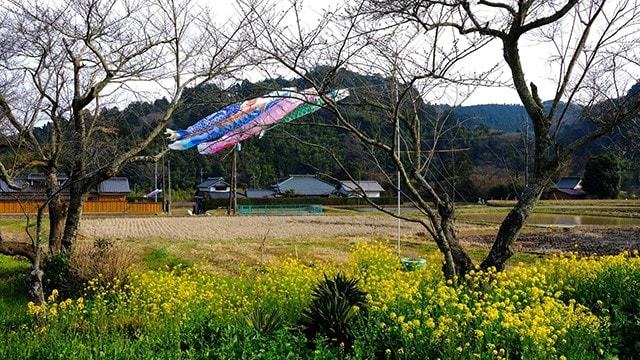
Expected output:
(335, 303)
(264, 321)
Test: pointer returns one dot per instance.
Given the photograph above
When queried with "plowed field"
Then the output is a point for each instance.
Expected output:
(251, 227)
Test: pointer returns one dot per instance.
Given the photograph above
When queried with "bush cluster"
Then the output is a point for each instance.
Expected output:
(101, 260)
(210, 204)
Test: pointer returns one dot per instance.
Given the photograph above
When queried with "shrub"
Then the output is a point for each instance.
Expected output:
(57, 274)
(335, 304)
(265, 321)
(101, 261)
(210, 204)
(602, 177)
(610, 287)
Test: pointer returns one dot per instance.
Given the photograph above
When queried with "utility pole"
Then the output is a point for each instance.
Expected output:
(233, 201)
(397, 125)
(169, 184)
(164, 187)
(155, 181)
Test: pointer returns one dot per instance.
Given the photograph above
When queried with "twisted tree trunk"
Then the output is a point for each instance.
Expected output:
(511, 226)
(16, 248)
(461, 261)
(36, 286)
(74, 213)
(57, 213)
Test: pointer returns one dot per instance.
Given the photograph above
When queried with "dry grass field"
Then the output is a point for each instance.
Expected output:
(222, 228)
(226, 242)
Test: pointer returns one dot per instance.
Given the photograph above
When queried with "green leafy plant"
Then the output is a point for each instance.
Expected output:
(57, 274)
(335, 304)
(264, 321)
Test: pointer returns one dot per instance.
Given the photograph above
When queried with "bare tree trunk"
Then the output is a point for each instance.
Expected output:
(36, 287)
(74, 213)
(461, 263)
(511, 226)
(57, 218)
(15, 248)
(57, 213)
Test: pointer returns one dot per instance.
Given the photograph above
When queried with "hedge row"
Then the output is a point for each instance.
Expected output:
(303, 200)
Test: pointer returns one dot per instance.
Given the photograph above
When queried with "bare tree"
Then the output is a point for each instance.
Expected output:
(594, 57)
(407, 139)
(69, 60)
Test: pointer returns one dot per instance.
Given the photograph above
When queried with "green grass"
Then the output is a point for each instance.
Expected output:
(13, 299)
(16, 225)
(163, 258)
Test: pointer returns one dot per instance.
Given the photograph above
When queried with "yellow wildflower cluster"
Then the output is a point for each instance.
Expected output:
(48, 310)
(521, 312)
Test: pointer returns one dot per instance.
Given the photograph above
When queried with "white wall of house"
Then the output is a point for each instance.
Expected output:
(373, 194)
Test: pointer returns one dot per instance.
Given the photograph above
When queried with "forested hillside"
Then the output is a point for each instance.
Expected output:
(513, 117)
(491, 134)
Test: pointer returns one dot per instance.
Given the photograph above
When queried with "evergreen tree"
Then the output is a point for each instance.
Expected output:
(602, 176)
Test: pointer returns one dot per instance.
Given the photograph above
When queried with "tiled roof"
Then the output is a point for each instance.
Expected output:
(260, 193)
(114, 185)
(569, 182)
(4, 187)
(212, 181)
(308, 185)
(574, 192)
(366, 185)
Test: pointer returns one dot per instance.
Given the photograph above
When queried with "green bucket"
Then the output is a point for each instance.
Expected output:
(413, 264)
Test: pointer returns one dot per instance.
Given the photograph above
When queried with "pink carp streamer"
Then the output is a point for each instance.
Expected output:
(223, 122)
(264, 121)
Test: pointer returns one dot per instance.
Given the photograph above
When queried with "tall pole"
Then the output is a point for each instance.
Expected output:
(155, 181)
(169, 185)
(397, 124)
(164, 186)
(398, 195)
(526, 152)
(233, 202)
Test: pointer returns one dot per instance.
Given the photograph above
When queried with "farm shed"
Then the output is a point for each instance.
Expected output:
(303, 185)
(566, 188)
(371, 188)
(213, 188)
(112, 189)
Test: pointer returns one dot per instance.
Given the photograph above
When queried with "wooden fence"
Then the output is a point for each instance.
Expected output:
(89, 207)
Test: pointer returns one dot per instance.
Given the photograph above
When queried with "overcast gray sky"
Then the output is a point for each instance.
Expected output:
(534, 57)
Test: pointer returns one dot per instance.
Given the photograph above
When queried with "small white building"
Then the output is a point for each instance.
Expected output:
(213, 188)
(371, 188)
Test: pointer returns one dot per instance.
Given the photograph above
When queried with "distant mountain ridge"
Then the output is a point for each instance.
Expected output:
(511, 117)
(504, 117)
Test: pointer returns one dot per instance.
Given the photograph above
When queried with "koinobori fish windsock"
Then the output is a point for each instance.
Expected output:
(216, 125)
(267, 118)
(205, 123)
(289, 109)
(308, 108)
